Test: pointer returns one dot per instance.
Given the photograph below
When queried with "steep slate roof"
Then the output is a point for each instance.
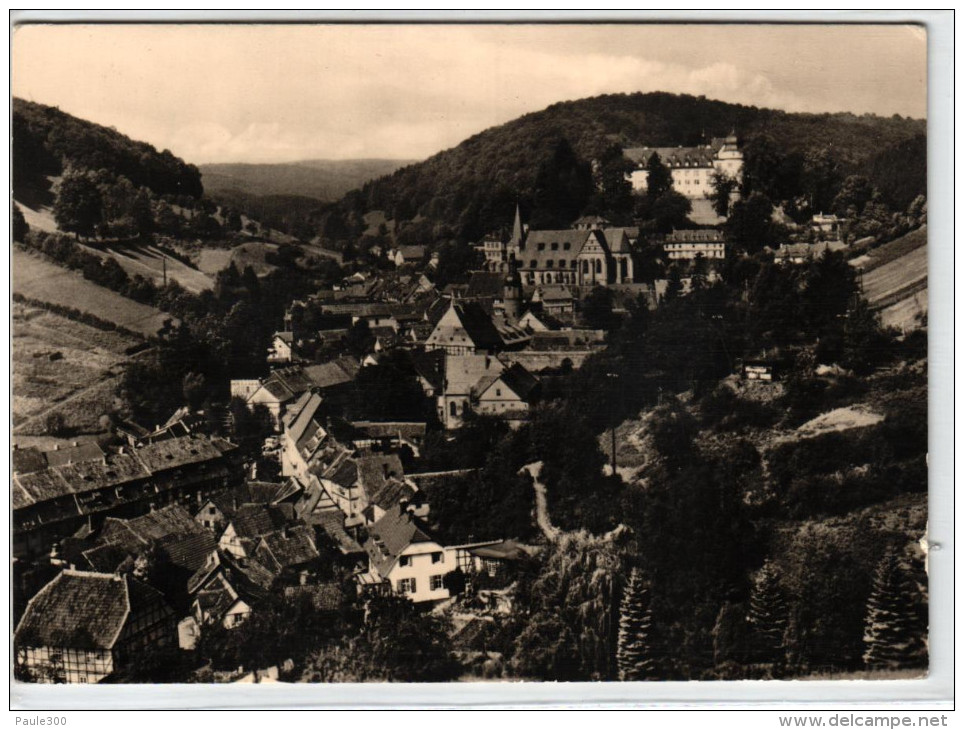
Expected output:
(694, 235)
(113, 470)
(286, 548)
(429, 365)
(189, 551)
(324, 596)
(303, 428)
(83, 610)
(255, 520)
(27, 460)
(333, 523)
(485, 284)
(520, 381)
(89, 451)
(374, 470)
(575, 240)
(617, 239)
(412, 430)
(412, 253)
(392, 493)
(390, 535)
(477, 325)
(673, 156)
(337, 372)
(172, 520)
(107, 558)
(177, 452)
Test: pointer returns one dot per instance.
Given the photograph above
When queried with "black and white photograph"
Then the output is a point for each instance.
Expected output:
(459, 353)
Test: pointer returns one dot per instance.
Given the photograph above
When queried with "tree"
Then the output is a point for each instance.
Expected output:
(854, 194)
(659, 179)
(194, 386)
(141, 214)
(397, 643)
(768, 616)
(634, 653)
(20, 229)
(723, 187)
(78, 205)
(892, 631)
(597, 308)
(54, 424)
(750, 226)
(614, 198)
(562, 188)
(669, 211)
(571, 632)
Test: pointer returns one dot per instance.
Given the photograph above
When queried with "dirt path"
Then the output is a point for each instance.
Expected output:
(542, 506)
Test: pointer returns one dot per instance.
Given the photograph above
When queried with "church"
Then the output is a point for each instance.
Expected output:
(588, 255)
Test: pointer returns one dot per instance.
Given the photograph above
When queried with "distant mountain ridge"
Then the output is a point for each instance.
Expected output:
(324, 180)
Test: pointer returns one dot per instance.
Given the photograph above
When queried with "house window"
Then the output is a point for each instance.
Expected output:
(404, 561)
(549, 263)
(435, 583)
(438, 557)
(406, 585)
(555, 246)
(566, 246)
(498, 392)
(542, 247)
(452, 410)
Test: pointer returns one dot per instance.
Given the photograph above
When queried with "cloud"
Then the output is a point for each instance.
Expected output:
(279, 93)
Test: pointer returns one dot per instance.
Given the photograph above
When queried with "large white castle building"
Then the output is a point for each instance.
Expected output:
(692, 168)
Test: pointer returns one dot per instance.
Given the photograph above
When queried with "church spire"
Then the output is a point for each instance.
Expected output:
(517, 227)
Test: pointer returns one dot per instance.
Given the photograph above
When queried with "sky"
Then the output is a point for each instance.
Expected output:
(281, 93)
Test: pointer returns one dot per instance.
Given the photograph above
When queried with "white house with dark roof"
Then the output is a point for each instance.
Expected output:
(689, 244)
(692, 168)
(282, 348)
(82, 627)
(404, 558)
(304, 435)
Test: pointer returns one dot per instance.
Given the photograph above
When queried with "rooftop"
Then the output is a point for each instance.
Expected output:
(83, 610)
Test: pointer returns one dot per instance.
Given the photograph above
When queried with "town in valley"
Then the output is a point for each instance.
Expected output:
(632, 387)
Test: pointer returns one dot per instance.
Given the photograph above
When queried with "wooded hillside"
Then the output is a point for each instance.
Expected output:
(473, 187)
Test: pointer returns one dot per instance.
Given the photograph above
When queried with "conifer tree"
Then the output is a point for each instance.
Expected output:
(891, 634)
(768, 615)
(634, 656)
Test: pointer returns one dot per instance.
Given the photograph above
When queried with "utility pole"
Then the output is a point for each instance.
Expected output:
(614, 376)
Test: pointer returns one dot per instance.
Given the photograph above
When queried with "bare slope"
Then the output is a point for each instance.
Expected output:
(37, 279)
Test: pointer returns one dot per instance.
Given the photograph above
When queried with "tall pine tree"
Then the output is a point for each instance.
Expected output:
(768, 616)
(634, 655)
(892, 632)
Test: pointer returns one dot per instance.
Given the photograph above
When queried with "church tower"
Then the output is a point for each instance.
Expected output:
(512, 293)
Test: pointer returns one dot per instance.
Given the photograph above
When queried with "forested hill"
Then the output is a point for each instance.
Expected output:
(326, 180)
(473, 187)
(47, 141)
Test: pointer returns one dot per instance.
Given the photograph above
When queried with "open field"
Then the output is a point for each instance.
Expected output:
(41, 280)
(213, 260)
(149, 262)
(61, 366)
